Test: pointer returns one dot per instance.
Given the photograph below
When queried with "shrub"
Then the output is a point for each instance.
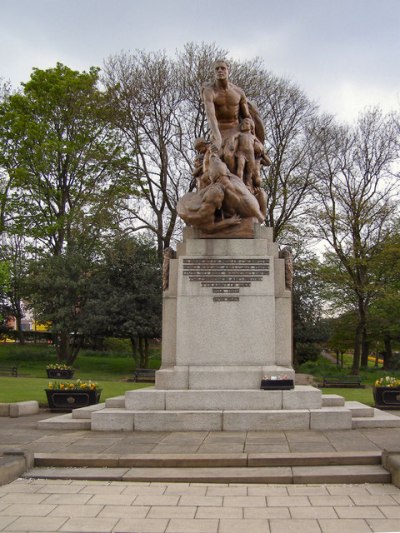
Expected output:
(306, 352)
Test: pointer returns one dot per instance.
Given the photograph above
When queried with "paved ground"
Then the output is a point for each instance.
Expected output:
(79, 506)
(22, 433)
(82, 506)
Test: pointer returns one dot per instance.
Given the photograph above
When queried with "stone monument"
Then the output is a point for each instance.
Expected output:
(227, 309)
(227, 312)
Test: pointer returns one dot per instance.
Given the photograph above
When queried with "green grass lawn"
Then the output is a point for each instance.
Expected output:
(110, 369)
(21, 389)
(356, 395)
(322, 367)
(32, 360)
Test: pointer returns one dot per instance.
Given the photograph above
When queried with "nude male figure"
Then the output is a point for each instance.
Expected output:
(224, 104)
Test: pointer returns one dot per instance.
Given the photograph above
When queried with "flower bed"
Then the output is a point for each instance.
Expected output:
(60, 371)
(67, 396)
(387, 393)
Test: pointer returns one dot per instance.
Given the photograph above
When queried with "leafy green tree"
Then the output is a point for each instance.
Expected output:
(308, 324)
(14, 257)
(5, 310)
(384, 326)
(64, 173)
(341, 336)
(126, 295)
(65, 165)
(59, 287)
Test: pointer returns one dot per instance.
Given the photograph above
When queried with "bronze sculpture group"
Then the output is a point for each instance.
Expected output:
(227, 168)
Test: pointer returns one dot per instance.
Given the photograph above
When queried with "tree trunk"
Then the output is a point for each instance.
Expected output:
(74, 348)
(20, 333)
(360, 339)
(146, 352)
(134, 348)
(62, 346)
(357, 353)
(364, 347)
(141, 352)
(387, 358)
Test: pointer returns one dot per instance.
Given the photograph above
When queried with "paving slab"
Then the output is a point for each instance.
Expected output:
(177, 525)
(83, 525)
(294, 526)
(344, 526)
(36, 524)
(383, 525)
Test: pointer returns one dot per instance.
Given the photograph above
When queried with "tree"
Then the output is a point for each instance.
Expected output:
(308, 325)
(58, 288)
(14, 257)
(353, 205)
(125, 298)
(292, 125)
(341, 336)
(65, 171)
(384, 325)
(65, 164)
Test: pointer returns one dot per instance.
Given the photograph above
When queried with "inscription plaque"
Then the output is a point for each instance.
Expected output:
(225, 276)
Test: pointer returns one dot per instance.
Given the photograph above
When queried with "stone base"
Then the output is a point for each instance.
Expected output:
(219, 420)
(217, 377)
(302, 397)
(222, 410)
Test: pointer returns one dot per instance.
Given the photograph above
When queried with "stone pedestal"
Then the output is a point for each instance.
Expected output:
(227, 317)
(227, 323)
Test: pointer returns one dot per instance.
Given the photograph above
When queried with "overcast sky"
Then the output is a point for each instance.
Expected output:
(343, 53)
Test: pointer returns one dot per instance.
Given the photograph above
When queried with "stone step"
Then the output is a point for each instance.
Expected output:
(381, 419)
(359, 410)
(64, 422)
(206, 460)
(250, 420)
(274, 475)
(116, 402)
(301, 397)
(123, 420)
(332, 400)
(86, 412)
(341, 474)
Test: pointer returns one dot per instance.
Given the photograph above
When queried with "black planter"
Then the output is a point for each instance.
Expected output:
(277, 384)
(59, 374)
(387, 397)
(66, 400)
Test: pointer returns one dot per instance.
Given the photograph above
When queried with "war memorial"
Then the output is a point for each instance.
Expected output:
(227, 306)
